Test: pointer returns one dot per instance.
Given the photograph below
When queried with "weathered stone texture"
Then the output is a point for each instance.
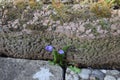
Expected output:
(21, 69)
(94, 42)
(101, 52)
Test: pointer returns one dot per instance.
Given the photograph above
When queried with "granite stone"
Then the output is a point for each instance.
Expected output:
(22, 69)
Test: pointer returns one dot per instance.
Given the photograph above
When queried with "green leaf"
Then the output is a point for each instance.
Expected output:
(55, 56)
(51, 62)
(61, 59)
(74, 69)
(65, 48)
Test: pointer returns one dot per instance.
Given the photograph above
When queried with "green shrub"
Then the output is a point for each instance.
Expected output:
(101, 9)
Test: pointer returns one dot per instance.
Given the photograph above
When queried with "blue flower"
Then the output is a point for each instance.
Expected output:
(49, 48)
(61, 51)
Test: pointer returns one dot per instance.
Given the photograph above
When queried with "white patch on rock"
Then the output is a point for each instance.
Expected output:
(104, 71)
(43, 74)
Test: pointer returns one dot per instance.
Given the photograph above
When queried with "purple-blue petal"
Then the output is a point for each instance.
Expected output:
(61, 51)
(49, 48)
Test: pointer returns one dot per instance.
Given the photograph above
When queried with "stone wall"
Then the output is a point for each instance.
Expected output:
(25, 31)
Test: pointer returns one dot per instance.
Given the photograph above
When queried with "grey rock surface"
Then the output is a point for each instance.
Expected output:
(98, 74)
(118, 78)
(114, 72)
(108, 77)
(21, 69)
(85, 73)
(70, 75)
(91, 74)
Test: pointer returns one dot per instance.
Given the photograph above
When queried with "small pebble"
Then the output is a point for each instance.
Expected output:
(113, 72)
(92, 78)
(108, 77)
(104, 71)
(98, 74)
(84, 73)
(72, 77)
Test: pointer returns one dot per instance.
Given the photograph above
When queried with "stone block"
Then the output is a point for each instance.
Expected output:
(21, 69)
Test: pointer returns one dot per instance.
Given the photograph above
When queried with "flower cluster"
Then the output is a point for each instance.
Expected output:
(58, 56)
(49, 48)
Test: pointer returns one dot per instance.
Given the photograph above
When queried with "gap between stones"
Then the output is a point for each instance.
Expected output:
(64, 72)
